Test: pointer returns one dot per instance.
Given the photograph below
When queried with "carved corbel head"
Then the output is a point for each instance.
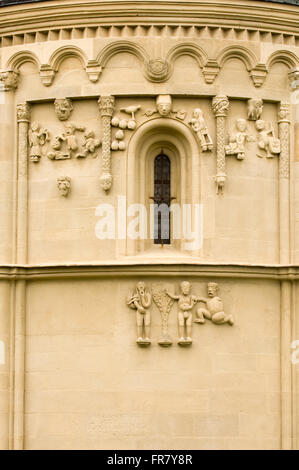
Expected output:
(63, 108)
(9, 80)
(64, 185)
(294, 79)
(255, 109)
(164, 105)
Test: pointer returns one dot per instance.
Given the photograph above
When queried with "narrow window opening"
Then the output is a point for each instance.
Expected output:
(162, 199)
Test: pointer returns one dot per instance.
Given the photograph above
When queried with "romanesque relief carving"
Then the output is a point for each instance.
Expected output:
(123, 124)
(90, 144)
(214, 309)
(37, 138)
(268, 144)
(284, 135)
(66, 143)
(255, 109)
(157, 70)
(23, 113)
(238, 140)
(164, 303)
(106, 107)
(9, 80)
(186, 302)
(63, 108)
(64, 185)
(164, 108)
(199, 126)
(140, 301)
(220, 105)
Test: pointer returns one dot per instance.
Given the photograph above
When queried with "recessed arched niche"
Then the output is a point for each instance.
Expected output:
(174, 140)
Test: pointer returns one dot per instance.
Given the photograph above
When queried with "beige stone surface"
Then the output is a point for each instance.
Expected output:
(71, 373)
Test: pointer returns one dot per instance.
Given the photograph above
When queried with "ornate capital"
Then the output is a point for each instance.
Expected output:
(294, 78)
(284, 113)
(106, 105)
(220, 105)
(9, 80)
(23, 112)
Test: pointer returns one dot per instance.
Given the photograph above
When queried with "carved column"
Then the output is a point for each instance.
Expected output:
(284, 183)
(23, 116)
(8, 85)
(106, 107)
(220, 105)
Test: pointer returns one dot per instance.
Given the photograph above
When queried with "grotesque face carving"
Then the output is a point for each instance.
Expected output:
(64, 185)
(164, 105)
(63, 108)
(212, 289)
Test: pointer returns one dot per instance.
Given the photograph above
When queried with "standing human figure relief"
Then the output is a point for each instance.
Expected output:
(214, 310)
(63, 108)
(186, 302)
(37, 138)
(268, 143)
(238, 140)
(140, 301)
(255, 109)
(199, 126)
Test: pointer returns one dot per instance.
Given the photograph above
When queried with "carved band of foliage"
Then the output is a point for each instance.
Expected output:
(106, 107)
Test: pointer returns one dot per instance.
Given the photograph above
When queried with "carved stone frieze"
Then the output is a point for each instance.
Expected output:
(268, 143)
(238, 140)
(37, 139)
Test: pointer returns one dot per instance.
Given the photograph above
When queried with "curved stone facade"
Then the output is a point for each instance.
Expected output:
(112, 335)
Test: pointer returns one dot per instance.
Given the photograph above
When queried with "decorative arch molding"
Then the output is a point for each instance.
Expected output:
(117, 47)
(180, 145)
(238, 52)
(285, 57)
(190, 49)
(20, 58)
(66, 52)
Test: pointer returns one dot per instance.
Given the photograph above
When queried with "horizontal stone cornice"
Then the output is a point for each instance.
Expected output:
(152, 269)
(245, 14)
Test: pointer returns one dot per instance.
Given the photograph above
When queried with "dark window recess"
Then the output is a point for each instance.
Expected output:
(162, 199)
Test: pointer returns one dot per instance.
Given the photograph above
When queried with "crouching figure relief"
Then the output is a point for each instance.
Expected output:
(214, 309)
(140, 301)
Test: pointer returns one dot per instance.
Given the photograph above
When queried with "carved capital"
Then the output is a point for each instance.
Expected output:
(258, 75)
(294, 78)
(106, 105)
(46, 74)
(220, 105)
(93, 70)
(284, 113)
(210, 71)
(157, 70)
(23, 112)
(9, 80)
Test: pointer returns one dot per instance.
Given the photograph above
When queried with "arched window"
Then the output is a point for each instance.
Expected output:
(162, 199)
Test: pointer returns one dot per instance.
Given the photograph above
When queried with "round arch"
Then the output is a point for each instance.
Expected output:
(180, 145)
